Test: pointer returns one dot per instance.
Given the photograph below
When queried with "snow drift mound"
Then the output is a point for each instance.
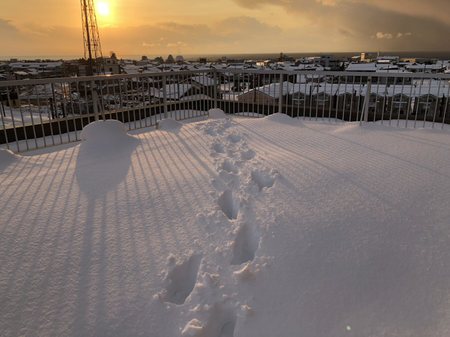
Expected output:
(104, 158)
(105, 132)
(105, 136)
(169, 124)
(7, 157)
(216, 114)
(279, 117)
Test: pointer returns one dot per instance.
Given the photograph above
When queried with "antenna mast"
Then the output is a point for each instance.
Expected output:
(91, 37)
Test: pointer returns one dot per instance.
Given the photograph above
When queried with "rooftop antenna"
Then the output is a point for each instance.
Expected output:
(91, 37)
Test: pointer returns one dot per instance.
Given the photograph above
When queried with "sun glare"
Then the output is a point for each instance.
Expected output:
(103, 8)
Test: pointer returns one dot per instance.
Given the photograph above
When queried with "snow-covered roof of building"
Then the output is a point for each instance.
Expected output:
(204, 80)
(376, 89)
(425, 66)
(273, 89)
(36, 65)
(362, 67)
(173, 91)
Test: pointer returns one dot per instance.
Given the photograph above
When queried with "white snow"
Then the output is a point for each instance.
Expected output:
(228, 228)
(7, 157)
(280, 118)
(169, 124)
(216, 114)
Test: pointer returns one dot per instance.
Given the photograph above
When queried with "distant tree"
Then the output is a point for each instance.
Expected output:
(170, 59)
(159, 60)
(113, 55)
(144, 58)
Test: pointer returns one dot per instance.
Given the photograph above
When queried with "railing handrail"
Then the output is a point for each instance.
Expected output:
(321, 73)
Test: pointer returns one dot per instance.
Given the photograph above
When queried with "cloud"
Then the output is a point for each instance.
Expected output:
(6, 26)
(413, 25)
(381, 35)
(418, 8)
(327, 2)
(238, 27)
(233, 34)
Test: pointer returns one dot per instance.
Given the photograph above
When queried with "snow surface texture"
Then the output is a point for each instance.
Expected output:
(280, 118)
(229, 228)
(216, 114)
(169, 124)
(7, 157)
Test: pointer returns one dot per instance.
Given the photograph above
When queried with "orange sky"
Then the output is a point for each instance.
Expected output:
(149, 27)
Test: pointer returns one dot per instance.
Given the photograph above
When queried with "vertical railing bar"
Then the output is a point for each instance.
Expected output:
(12, 117)
(446, 107)
(384, 98)
(344, 100)
(376, 100)
(141, 96)
(178, 98)
(55, 109)
(254, 85)
(280, 93)
(80, 113)
(359, 93)
(410, 100)
(428, 102)
(351, 98)
(123, 109)
(148, 120)
(64, 110)
(306, 96)
(113, 110)
(32, 119)
(21, 116)
(418, 104)
(2, 116)
(190, 102)
(337, 99)
(50, 110)
(73, 111)
(365, 114)
(436, 104)
(133, 101)
(311, 93)
(86, 101)
(330, 105)
(215, 92)
(400, 103)
(323, 101)
(320, 95)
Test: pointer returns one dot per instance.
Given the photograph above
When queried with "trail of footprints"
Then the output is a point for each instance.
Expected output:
(231, 154)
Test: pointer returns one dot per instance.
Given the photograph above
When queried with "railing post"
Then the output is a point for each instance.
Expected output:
(215, 89)
(280, 102)
(367, 100)
(94, 100)
(164, 85)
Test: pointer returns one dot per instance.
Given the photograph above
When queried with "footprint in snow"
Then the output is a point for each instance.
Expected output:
(229, 204)
(181, 279)
(220, 323)
(234, 138)
(263, 179)
(245, 244)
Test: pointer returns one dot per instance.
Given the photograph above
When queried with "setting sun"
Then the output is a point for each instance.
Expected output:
(103, 8)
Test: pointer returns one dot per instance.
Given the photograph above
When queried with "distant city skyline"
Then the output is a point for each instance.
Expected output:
(200, 27)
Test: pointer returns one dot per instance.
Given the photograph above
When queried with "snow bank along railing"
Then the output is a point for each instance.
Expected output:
(45, 112)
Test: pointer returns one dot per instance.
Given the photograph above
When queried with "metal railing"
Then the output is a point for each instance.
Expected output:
(46, 112)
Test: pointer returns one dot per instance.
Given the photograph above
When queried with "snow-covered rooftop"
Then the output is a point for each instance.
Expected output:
(218, 228)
